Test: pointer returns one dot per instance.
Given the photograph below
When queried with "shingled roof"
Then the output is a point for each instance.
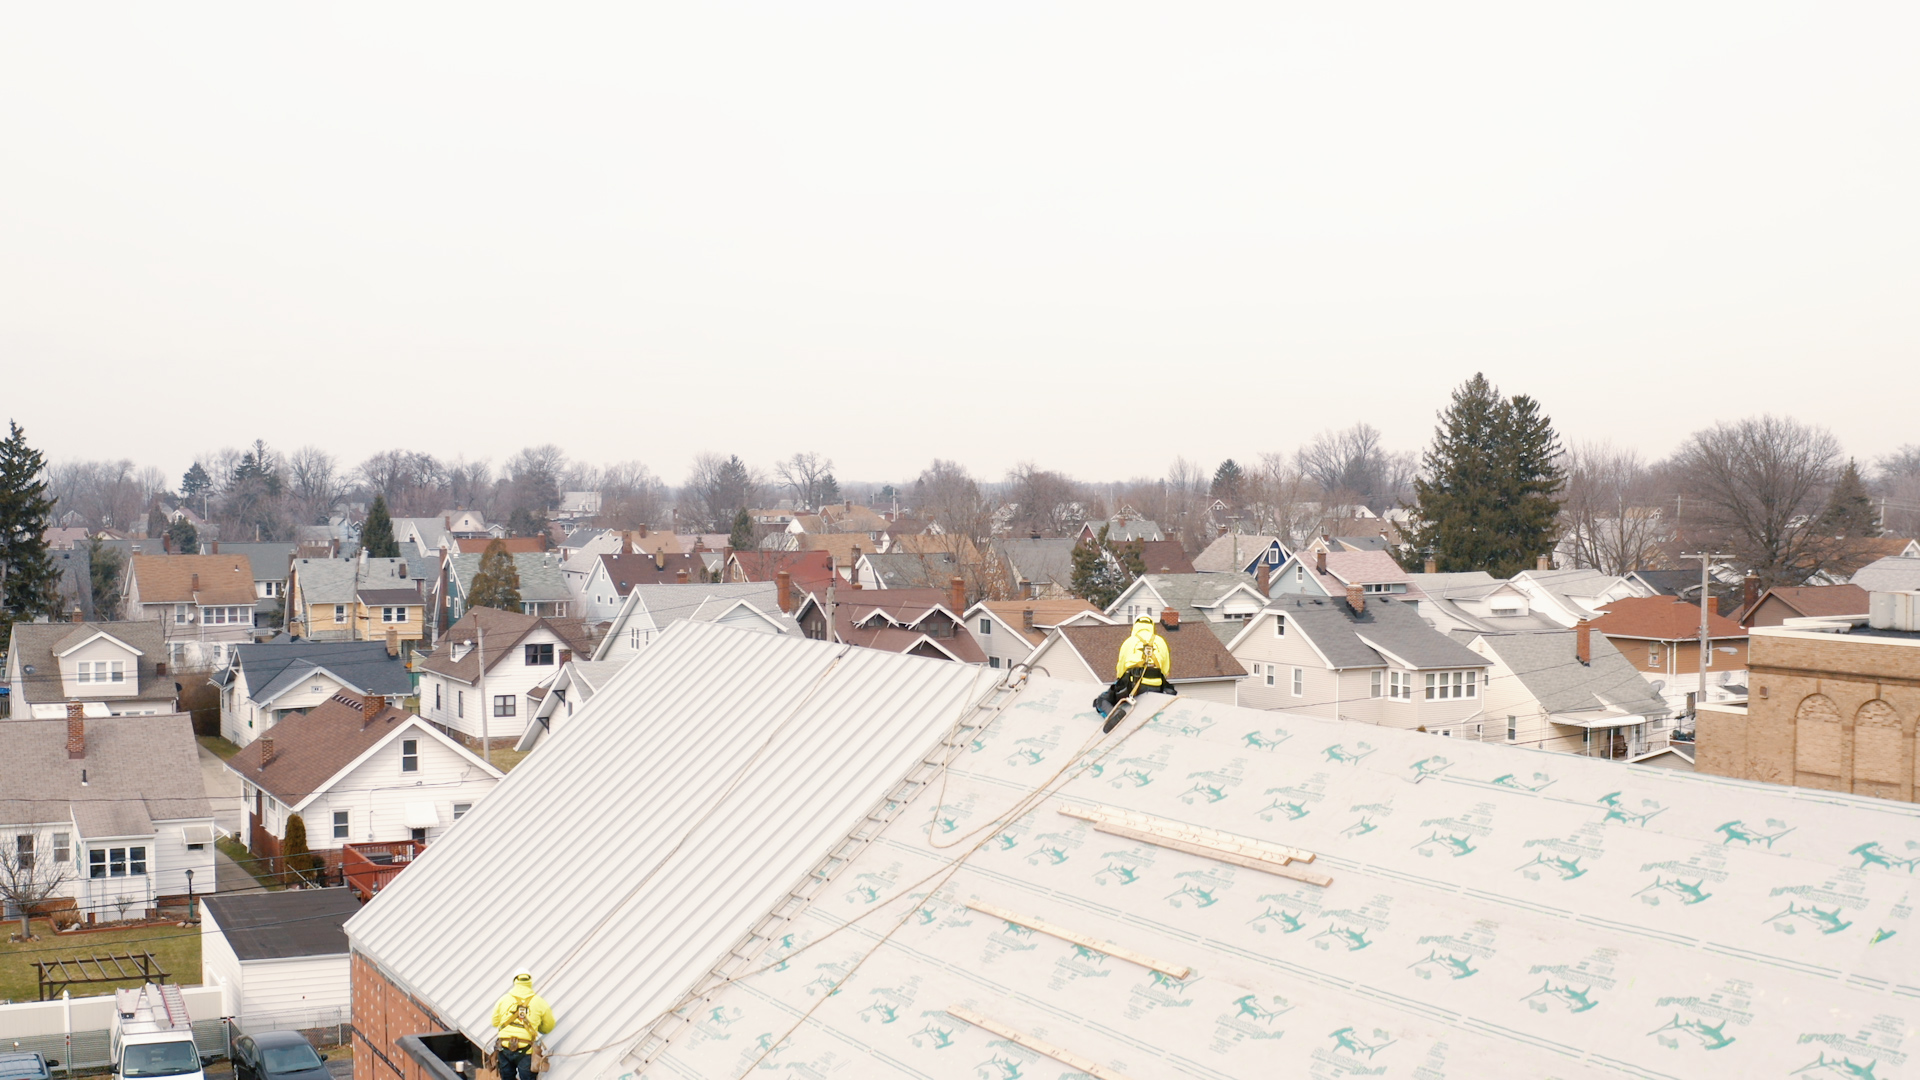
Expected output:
(504, 630)
(193, 579)
(139, 769)
(1662, 618)
(310, 749)
(1195, 652)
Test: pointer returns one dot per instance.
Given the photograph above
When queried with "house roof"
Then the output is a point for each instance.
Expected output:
(1195, 652)
(809, 570)
(1492, 919)
(1234, 552)
(139, 769)
(1190, 594)
(277, 665)
(1546, 663)
(746, 755)
(905, 611)
(1048, 560)
(1357, 568)
(1047, 614)
(1165, 557)
(1466, 583)
(339, 581)
(284, 925)
(269, 560)
(1891, 574)
(668, 604)
(1817, 601)
(540, 578)
(1389, 626)
(626, 571)
(433, 531)
(1124, 527)
(36, 643)
(513, 544)
(503, 630)
(311, 748)
(378, 597)
(1669, 582)
(169, 579)
(846, 547)
(1662, 618)
(906, 570)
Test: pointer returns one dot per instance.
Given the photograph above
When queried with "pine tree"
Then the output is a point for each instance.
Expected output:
(186, 538)
(104, 565)
(741, 538)
(496, 584)
(1228, 482)
(1488, 500)
(156, 521)
(294, 853)
(526, 522)
(1102, 570)
(376, 533)
(829, 491)
(29, 581)
(196, 482)
(1849, 511)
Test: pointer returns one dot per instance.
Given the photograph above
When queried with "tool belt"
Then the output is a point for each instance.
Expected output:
(515, 1045)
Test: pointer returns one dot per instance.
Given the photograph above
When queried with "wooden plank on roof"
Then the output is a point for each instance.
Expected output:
(1038, 1046)
(1178, 971)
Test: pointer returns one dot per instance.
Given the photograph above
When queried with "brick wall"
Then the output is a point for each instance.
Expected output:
(383, 1013)
(1832, 712)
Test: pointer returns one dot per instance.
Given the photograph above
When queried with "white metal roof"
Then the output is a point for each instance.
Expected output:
(624, 858)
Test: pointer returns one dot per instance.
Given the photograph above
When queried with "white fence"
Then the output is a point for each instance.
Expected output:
(77, 1031)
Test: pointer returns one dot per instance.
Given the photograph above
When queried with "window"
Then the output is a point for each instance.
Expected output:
(1376, 588)
(460, 702)
(436, 698)
(100, 671)
(1400, 686)
(1479, 732)
(117, 862)
(231, 616)
(418, 836)
(96, 863)
(410, 755)
(1279, 626)
(460, 810)
(1269, 674)
(117, 671)
(986, 627)
(1445, 733)
(23, 851)
(1506, 611)
(1300, 572)
(180, 613)
(1653, 655)
(393, 614)
(1513, 728)
(1446, 685)
(339, 613)
(1375, 682)
(341, 821)
(1709, 652)
(540, 655)
(269, 589)
(62, 847)
(504, 704)
(137, 860)
(993, 661)
(1299, 681)
(1238, 616)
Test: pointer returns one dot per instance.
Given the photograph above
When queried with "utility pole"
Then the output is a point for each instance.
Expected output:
(486, 703)
(1706, 638)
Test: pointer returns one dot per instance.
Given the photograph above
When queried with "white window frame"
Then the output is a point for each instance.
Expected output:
(1656, 656)
(409, 755)
(506, 705)
(1376, 683)
(339, 613)
(343, 824)
(1399, 685)
(1279, 626)
(1299, 682)
(1513, 728)
(1300, 572)
(986, 627)
(1271, 675)
(460, 810)
(393, 614)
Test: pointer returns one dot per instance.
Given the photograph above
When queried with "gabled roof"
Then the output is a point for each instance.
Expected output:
(907, 570)
(663, 605)
(1195, 594)
(1236, 553)
(1195, 652)
(540, 578)
(809, 570)
(503, 630)
(139, 769)
(514, 545)
(1125, 527)
(86, 635)
(1388, 631)
(432, 531)
(626, 571)
(1891, 574)
(284, 925)
(1346, 568)
(1165, 557)
(389, 597)
(275, 667)
(311, 750)
(1816, 601)
(169, 579)
(1547, 664)
(1662, 618)
(269, 560)
(34, 645)
(745, 755)
(892, 620)
(1046, 560)
(339, 581)
(1047, 614)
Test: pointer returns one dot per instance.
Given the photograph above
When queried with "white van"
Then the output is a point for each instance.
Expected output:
(153, 1036)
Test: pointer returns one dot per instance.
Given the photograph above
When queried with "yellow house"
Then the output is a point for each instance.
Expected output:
(354, 600)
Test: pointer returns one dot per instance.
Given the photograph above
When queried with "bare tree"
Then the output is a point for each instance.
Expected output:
(1047, 503)
(1757, 488)
(961, 521)
(414, 483)
(1354, 466)
(1283, 501)
(1613, 518)
(631, 497)
(806, 475)
(469, 485)
(1183, 501)
(313, 484)
(1897, 483)
(534, 475)
(32, 872)
(717, 489)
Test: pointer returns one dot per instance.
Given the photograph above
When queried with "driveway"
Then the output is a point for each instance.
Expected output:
(223, 791)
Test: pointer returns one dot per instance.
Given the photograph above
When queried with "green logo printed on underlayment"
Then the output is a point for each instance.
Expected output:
(1827, 922)
(1451, 844)
(1739, 830)
(1711, 1036)
(1353, 937)
(1622, 811)
(1454, 967)
(1346, 1041)
(999, 1067)
(1341, 754)
(1838, 1068)
(1688, 892)
(1575, 1000)
(1249, 1008)
(1872, 854)
(1538, 782)
(1432, 766)
(936, 1033)
(1565, 868)
(1359, 828)
(1266, 740)
(1287, 921)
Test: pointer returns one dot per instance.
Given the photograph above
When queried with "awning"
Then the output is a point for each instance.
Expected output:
(198, 834)
(422, 815)
(1596, 721)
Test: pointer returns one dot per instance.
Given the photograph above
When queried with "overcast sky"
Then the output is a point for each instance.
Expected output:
(1093, 236)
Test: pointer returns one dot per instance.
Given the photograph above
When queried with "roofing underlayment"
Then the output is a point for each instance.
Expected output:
(1140, 905)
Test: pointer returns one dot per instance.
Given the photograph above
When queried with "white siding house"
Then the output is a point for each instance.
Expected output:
(281, 957)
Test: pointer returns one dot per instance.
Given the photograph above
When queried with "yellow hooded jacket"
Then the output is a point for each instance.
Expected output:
(506, 1015)
(1145, 647)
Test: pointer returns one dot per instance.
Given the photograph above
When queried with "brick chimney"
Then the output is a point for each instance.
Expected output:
(1433, 565)
(660, 558)
(1749, 593)
(1357, 599)
(957, 595)
(76, 730)
(370, 706)
(680, 575)
(1263, 577)
(266, 750)
(1583, 641)
(1545, 562)
(1026, 618)
(76, 615)
(783, 586)
(1320, 560)
(213, 547)
(166, 543)
(393, 641)
(566, 656)
(1170, 618)
(196, 583)
(853, 568)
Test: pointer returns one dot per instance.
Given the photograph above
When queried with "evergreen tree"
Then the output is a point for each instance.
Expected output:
(376, 533)
(829, 491)
(29, 581)
(1229, 480)
(742, 536)
(156, 521)
(496, 584)
(525, 522)
(186, 538)
(1488, 500)
(196, 482)
(1102, 570)
(1849, 511)
(104, 566)
(294, 853)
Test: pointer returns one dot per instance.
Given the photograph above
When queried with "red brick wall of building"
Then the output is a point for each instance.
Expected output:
(383, 1013)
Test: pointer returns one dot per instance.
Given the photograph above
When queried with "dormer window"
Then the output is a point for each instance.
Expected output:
(1279, 626)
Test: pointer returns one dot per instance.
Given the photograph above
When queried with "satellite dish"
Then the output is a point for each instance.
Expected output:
(28, 669)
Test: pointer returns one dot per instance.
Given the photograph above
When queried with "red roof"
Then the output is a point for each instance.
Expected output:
(478, 545)
(810, 569)
(1662, 618)
(1165, 557)
(626, 571)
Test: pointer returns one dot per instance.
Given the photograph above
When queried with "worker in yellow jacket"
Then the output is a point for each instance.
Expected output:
(521, 1017)
(1145, 666)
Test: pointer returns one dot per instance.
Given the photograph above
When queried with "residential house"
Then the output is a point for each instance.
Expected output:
(65, 538)
(116, 806)
(1316, 571)
(580, 554)
(920, 622)
(1473, 602)
(514, 545)
(1895, 573)
(1009, 630)
(1438, 868)
(543, 590)
(356, 770)
(489, 702)
(1203, 669)
(569, 688)
(1360, 657)
(204, 602)
(1833, 707)
(75, 585)
(112, 668)
(1783, 602)
(1568, 596)
(576, 506)
(648, 610)
(360, 599)
(1569, 691)
(1660, 637)
(845, 549)
(1038, 568)
(612, 577)
(1123, 527)
(1221, 602)
(905, 570)
(1242, 554)
(1685, 584)
(850, 517)
(270, 562)
(1165, 557)
(264, 684)
(807, 571)
(281, 957)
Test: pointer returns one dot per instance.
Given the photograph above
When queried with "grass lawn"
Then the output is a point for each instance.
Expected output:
(220, 747)
(177, 948)
(235, 850)
(505, 760)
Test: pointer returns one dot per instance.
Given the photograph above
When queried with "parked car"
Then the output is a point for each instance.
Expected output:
(25, 1065)
(277, 1055)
